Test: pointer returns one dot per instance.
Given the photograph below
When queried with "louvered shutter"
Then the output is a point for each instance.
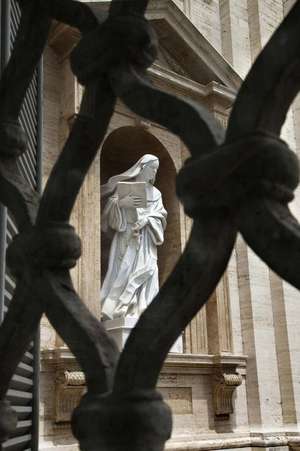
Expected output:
(23, 392)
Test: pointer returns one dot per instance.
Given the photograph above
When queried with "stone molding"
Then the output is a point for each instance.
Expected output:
(205, 363)
(212, 92)
(61, 359)
(63, 39)
(227, 371)
(69, 390)
(252, 440)
(245, 441)
(238, 442)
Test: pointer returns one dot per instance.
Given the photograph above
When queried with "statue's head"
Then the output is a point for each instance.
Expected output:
(144, 169)
(149, 167)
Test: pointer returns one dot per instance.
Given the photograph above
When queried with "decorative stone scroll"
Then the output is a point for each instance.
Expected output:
(225, 386)
(69, 390)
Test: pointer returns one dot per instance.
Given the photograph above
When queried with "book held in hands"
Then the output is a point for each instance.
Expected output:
(137, 189)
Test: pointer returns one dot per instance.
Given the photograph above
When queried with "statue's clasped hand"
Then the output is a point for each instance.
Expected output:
(137, 227)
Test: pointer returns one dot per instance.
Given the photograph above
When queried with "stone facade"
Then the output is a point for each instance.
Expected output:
(237, 383)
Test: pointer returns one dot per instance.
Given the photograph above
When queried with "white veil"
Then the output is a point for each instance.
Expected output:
(131, 173)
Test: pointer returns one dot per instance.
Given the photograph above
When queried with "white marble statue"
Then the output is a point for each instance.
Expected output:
(131, 281)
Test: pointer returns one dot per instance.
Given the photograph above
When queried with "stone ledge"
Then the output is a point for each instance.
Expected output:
(204, 363)
(179, 363)
(238, 442)
(225, 374)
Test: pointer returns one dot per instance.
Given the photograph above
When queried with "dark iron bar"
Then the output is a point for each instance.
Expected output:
(2, 259)
(39, 187)
(39, 184)
(5, 53)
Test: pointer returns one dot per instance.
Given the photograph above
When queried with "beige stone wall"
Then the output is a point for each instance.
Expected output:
(51, 112)
(265, 311)
(61, 103)
(265, 301)
(287, 5)
(197, 377)
(235, 34)
(205, 15)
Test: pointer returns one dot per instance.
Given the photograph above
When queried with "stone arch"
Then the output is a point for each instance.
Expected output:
(121, 149)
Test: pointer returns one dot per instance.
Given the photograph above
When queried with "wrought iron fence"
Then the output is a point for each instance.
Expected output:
(238, 180)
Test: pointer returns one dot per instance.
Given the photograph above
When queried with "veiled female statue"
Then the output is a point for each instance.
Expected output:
(131, 281)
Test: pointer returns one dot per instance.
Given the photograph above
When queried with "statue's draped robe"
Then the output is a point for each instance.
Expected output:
(131, 281)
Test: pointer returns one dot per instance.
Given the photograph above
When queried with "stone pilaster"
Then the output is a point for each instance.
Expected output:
(51, 147)
(263, 383)
(235, 34)
(264, 17)
(205, 16)
(285, 298)
(291, 295)
(195, 336)
(263, 297)
(281, 308)
(86, 213)
(287, 5)
(234, 304)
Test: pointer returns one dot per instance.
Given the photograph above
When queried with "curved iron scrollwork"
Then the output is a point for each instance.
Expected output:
(241, 180)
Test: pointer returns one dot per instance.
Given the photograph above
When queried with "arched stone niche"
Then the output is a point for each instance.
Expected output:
(121, 149)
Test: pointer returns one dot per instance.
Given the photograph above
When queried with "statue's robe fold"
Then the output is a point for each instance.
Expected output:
(131, 281)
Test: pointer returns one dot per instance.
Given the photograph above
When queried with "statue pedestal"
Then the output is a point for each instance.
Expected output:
(120, 328)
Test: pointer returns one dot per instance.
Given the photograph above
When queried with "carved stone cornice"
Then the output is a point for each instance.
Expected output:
(212, 92)
(177, 33)
(62, 359)
(205, 363)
